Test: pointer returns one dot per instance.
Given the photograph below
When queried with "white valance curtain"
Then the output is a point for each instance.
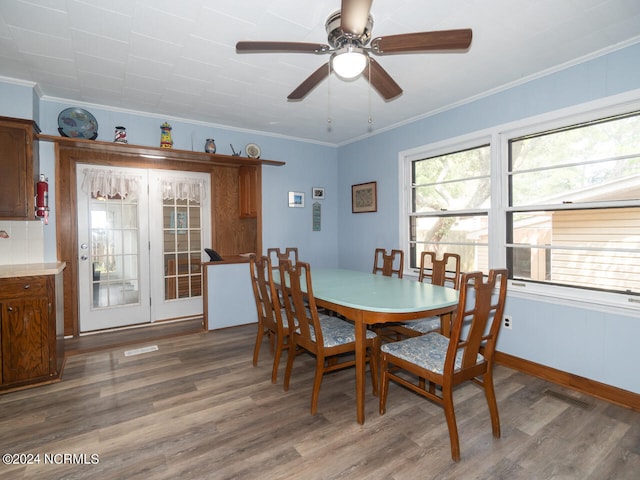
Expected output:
(185, 188)
(108, 183)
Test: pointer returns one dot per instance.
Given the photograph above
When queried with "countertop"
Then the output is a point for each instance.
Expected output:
(31, 269)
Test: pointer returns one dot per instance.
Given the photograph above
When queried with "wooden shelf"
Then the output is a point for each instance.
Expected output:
(159, 153)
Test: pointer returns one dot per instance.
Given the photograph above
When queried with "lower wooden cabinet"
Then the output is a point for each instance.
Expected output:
(31, 344)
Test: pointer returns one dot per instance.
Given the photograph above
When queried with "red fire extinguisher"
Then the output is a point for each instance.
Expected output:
(42, 199)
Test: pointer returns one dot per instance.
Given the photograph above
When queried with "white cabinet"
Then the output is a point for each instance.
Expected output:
(229, 297)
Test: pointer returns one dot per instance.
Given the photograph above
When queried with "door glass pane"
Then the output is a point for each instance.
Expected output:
(114, 252)
(182, 248)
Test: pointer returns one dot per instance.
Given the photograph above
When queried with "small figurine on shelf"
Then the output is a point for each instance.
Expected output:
(234, 154)
(210, 146)
(165, 137)
(121, 135)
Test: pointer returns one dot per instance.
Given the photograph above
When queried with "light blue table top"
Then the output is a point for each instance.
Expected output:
(376, 293)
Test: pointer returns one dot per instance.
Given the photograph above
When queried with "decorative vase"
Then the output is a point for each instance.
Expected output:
(165, 137)
(120, 135)
(210, 146)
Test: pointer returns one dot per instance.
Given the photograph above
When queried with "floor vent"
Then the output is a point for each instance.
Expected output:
(138, 351)
(568, 399)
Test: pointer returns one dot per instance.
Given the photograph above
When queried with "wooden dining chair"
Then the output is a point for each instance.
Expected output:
(276, 255)
(444, 272)
(466, 356)
(325, 337)
(271, 316)
(388, 264)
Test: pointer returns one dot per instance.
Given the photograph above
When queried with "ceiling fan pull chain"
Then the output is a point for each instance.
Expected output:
(370, 120)
(329, 98)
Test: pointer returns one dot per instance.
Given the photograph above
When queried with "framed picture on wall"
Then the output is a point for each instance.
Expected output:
(317, 193)
(296, 199)
(364, 197)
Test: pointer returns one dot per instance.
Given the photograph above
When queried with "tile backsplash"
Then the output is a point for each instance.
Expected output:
(24, 244)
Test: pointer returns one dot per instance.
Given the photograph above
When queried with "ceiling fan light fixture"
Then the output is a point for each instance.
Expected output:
(349, 63)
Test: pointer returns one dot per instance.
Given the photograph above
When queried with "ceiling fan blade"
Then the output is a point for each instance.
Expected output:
(381, 80)
(309, 84)
(289, 47)
(422, 41)
(354, 15)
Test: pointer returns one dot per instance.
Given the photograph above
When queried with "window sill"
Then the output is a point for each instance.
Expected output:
(617, 303)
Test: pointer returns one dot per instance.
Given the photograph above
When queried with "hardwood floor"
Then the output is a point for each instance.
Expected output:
(197, 409)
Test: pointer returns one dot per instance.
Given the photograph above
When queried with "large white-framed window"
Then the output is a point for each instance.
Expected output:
(573, 211)
(564, 208)
(447, 201)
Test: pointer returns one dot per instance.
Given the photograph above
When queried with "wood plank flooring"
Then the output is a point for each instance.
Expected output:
(197, 409)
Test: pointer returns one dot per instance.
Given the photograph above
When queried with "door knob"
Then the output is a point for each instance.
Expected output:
(84, 246)
(83, 257)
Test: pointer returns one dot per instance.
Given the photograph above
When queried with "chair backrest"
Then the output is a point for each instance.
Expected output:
(295, 283)
(443, 272)
(276, 255)
(477, 320)
(388, 264)
(267, 304)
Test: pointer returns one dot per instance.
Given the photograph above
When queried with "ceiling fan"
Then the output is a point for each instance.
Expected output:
(349, 35)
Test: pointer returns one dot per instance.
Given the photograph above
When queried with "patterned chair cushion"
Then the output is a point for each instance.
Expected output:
(427, 351)
(337, 332)
(424, 325)
(283, 312)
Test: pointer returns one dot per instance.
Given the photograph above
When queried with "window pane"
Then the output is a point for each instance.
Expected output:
(455, 181)
(467, 236)
(594, 182)
(614, 137)
(194, 215)
(182, 236)
(588, 163)
(460, 195)
(594, 248)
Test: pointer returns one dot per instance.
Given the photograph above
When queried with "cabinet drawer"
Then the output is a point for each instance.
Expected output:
(23, 286)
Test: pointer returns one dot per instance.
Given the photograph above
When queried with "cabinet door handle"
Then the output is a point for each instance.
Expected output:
(10, 309)
(27, 286)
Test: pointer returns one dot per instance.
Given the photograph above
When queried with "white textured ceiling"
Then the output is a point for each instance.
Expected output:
(177, 57)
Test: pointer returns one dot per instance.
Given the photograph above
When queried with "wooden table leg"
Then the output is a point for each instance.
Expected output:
(361, 347)
(445, 322)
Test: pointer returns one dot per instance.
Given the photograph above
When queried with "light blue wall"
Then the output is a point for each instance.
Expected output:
(597, 345)
(17, 100)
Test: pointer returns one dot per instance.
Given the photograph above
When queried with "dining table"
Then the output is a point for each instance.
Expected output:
(369, 299)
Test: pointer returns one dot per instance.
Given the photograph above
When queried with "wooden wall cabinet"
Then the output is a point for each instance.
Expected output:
(248, 189)
(20, 167)
(30, 344)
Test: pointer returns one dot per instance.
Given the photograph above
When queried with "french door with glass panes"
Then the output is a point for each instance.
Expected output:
(180, 216)
(140, 238)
